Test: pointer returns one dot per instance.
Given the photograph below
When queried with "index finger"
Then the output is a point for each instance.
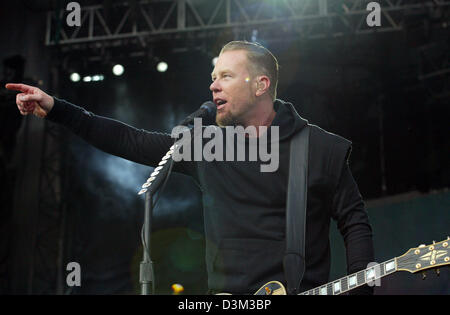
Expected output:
(19, 87)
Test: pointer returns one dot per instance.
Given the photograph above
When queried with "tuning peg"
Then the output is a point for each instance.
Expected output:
(422, 245)
(434, 242)
(438, 272)
(424, 275)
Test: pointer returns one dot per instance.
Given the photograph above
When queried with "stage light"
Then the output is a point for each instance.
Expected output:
(98, 77)
(214, 61)
(87, 79)
(118, 70)
(162, 66)
(75, 77)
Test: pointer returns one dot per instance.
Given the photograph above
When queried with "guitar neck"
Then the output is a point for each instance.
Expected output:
(357, 279)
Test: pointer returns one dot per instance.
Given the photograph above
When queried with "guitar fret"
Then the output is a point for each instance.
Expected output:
(361, 277)
(390, 266)
(382, 270)
(329, 289)
(337, 287)
(370, 274)
(352, 281)
(344, 284)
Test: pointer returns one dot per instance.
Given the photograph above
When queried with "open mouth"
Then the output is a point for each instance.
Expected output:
(220, 103)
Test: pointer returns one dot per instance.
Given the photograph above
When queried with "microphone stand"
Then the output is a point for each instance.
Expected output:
(146, 266)
(158, 177)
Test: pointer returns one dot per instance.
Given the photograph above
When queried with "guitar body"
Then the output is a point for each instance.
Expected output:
(272, 288)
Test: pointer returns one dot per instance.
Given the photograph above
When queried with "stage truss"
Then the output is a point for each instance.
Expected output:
(147, 21)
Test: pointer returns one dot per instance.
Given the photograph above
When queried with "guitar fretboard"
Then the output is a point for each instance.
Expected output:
(366, 276)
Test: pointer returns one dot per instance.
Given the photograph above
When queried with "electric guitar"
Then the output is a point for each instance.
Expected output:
(414, 260)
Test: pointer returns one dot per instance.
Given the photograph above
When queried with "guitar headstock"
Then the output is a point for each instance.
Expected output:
(425, 257)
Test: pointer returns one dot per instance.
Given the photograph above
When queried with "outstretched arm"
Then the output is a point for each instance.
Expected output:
(112, 136)
(106, 134)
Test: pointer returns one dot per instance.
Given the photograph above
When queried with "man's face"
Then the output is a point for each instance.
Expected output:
(233, 88)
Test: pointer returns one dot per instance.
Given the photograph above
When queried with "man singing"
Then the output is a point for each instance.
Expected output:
(244, 208)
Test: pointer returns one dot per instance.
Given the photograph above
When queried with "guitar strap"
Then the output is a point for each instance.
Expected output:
(294, 259)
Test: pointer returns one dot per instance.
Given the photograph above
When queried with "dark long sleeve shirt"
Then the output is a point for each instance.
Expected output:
(244, 208)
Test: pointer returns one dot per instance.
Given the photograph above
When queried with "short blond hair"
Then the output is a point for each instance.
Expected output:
(262, 61)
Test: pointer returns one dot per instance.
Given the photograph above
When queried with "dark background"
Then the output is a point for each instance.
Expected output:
(64, 200)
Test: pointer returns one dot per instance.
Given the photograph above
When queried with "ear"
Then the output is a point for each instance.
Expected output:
(262, 85)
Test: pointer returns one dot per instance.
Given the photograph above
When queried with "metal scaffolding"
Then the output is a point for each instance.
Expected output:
(47, 255)
(148, 20)
(38, 237)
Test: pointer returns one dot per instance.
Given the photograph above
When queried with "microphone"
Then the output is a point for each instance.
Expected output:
(207, 110)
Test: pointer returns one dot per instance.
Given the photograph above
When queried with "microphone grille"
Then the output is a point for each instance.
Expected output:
(211, 110)
(210, 107)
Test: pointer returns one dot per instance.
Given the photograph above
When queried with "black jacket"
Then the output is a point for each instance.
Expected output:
(244, 208)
